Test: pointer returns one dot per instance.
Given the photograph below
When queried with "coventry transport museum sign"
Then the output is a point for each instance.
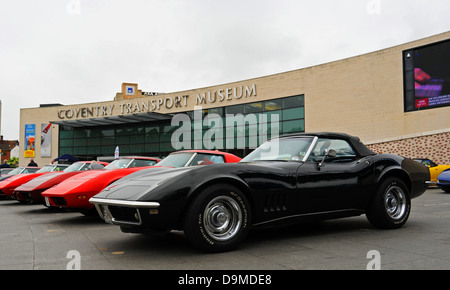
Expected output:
(158, 103)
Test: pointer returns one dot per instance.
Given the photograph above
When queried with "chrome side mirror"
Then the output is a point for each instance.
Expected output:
(327, 153)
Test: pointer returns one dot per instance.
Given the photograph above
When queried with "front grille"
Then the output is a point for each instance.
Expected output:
(124, 214)
(59, 201)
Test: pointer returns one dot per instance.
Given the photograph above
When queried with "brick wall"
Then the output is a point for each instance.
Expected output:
(435, 147)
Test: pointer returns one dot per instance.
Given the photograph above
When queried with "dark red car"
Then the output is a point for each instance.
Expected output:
(8, 186)
(31, 191)
(75, 192)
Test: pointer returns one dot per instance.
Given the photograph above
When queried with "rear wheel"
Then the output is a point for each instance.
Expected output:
(218, 219)
(391, 205)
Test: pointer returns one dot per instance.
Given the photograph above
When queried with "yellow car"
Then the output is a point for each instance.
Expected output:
(435, 169)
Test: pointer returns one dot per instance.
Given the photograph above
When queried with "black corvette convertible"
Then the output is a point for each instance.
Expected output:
(302, 177)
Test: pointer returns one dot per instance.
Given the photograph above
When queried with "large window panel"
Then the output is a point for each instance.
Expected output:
(293, 126)
(293, 113)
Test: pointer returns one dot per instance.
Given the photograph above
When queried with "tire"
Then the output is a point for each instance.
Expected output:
(218, 219)
(391, 205)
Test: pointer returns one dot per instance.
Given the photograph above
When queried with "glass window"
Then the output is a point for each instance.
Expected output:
(294, 113)
(122, 132)
(253, 107)
(289, 149)
(295, 101)
(65, 150)
(293, 126)
(108, 150)
(274, 116)
(63, 133)
(205, 159)
(176, 160)
(94, 132)
(79, 150)
(80, 142)
(107, 132)
(94, 141)
(142, 162)
(236, 109)
(218, 111)
(108, 141)
(152, 147)
(344, 152)
(80, 133)
(137, 139)
(154, 129)
(65, 142)
(94, 150)
(120, 140)
(278, 116)
(77, 166)
(273, 105)
(137, 148)
(124, 149)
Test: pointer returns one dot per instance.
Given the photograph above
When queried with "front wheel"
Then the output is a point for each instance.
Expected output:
(218, 219)
(391, 205)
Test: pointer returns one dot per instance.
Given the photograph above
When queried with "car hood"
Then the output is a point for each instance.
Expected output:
(46, 180)
(18, 179)
(137, 185)
(155, 183)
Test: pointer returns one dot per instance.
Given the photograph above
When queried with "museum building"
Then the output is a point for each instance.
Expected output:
(397, 100)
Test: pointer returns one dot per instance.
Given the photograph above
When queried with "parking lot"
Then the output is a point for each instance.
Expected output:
(34, 237)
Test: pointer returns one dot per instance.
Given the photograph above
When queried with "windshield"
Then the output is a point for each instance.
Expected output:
(118, 163)
(46, 168)
(176, 160)
(281, 149)
(15, 171)
(77, 166)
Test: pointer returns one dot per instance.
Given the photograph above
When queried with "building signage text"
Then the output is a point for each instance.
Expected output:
(156, 104)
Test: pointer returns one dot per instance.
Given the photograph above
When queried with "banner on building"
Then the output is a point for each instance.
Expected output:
(30, 140)
(46, 140)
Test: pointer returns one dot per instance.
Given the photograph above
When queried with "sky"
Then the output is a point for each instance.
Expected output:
(81, 51)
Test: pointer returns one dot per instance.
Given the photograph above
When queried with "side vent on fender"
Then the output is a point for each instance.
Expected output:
(275, 202)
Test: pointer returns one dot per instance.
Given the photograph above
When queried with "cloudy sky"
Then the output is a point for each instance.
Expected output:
(81, 51)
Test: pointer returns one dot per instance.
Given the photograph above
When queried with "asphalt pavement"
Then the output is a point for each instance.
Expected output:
(33, 237)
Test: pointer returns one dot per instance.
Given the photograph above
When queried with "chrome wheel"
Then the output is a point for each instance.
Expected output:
(222, 218)
(395, 202)
(391, 204)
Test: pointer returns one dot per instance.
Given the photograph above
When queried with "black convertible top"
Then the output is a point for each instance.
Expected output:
(356, 143)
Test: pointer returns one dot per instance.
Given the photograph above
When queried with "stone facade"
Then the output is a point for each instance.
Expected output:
(435, 147)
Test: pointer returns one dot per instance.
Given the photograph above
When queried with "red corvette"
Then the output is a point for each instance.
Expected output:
(7, 186)
(75, 192)
(31, 191)
(18, 170)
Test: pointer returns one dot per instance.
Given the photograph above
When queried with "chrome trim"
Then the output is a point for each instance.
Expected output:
(429, 182)
(308, 214)
(188, 163)
(311, 147)
(125, 203)
(103, 211)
